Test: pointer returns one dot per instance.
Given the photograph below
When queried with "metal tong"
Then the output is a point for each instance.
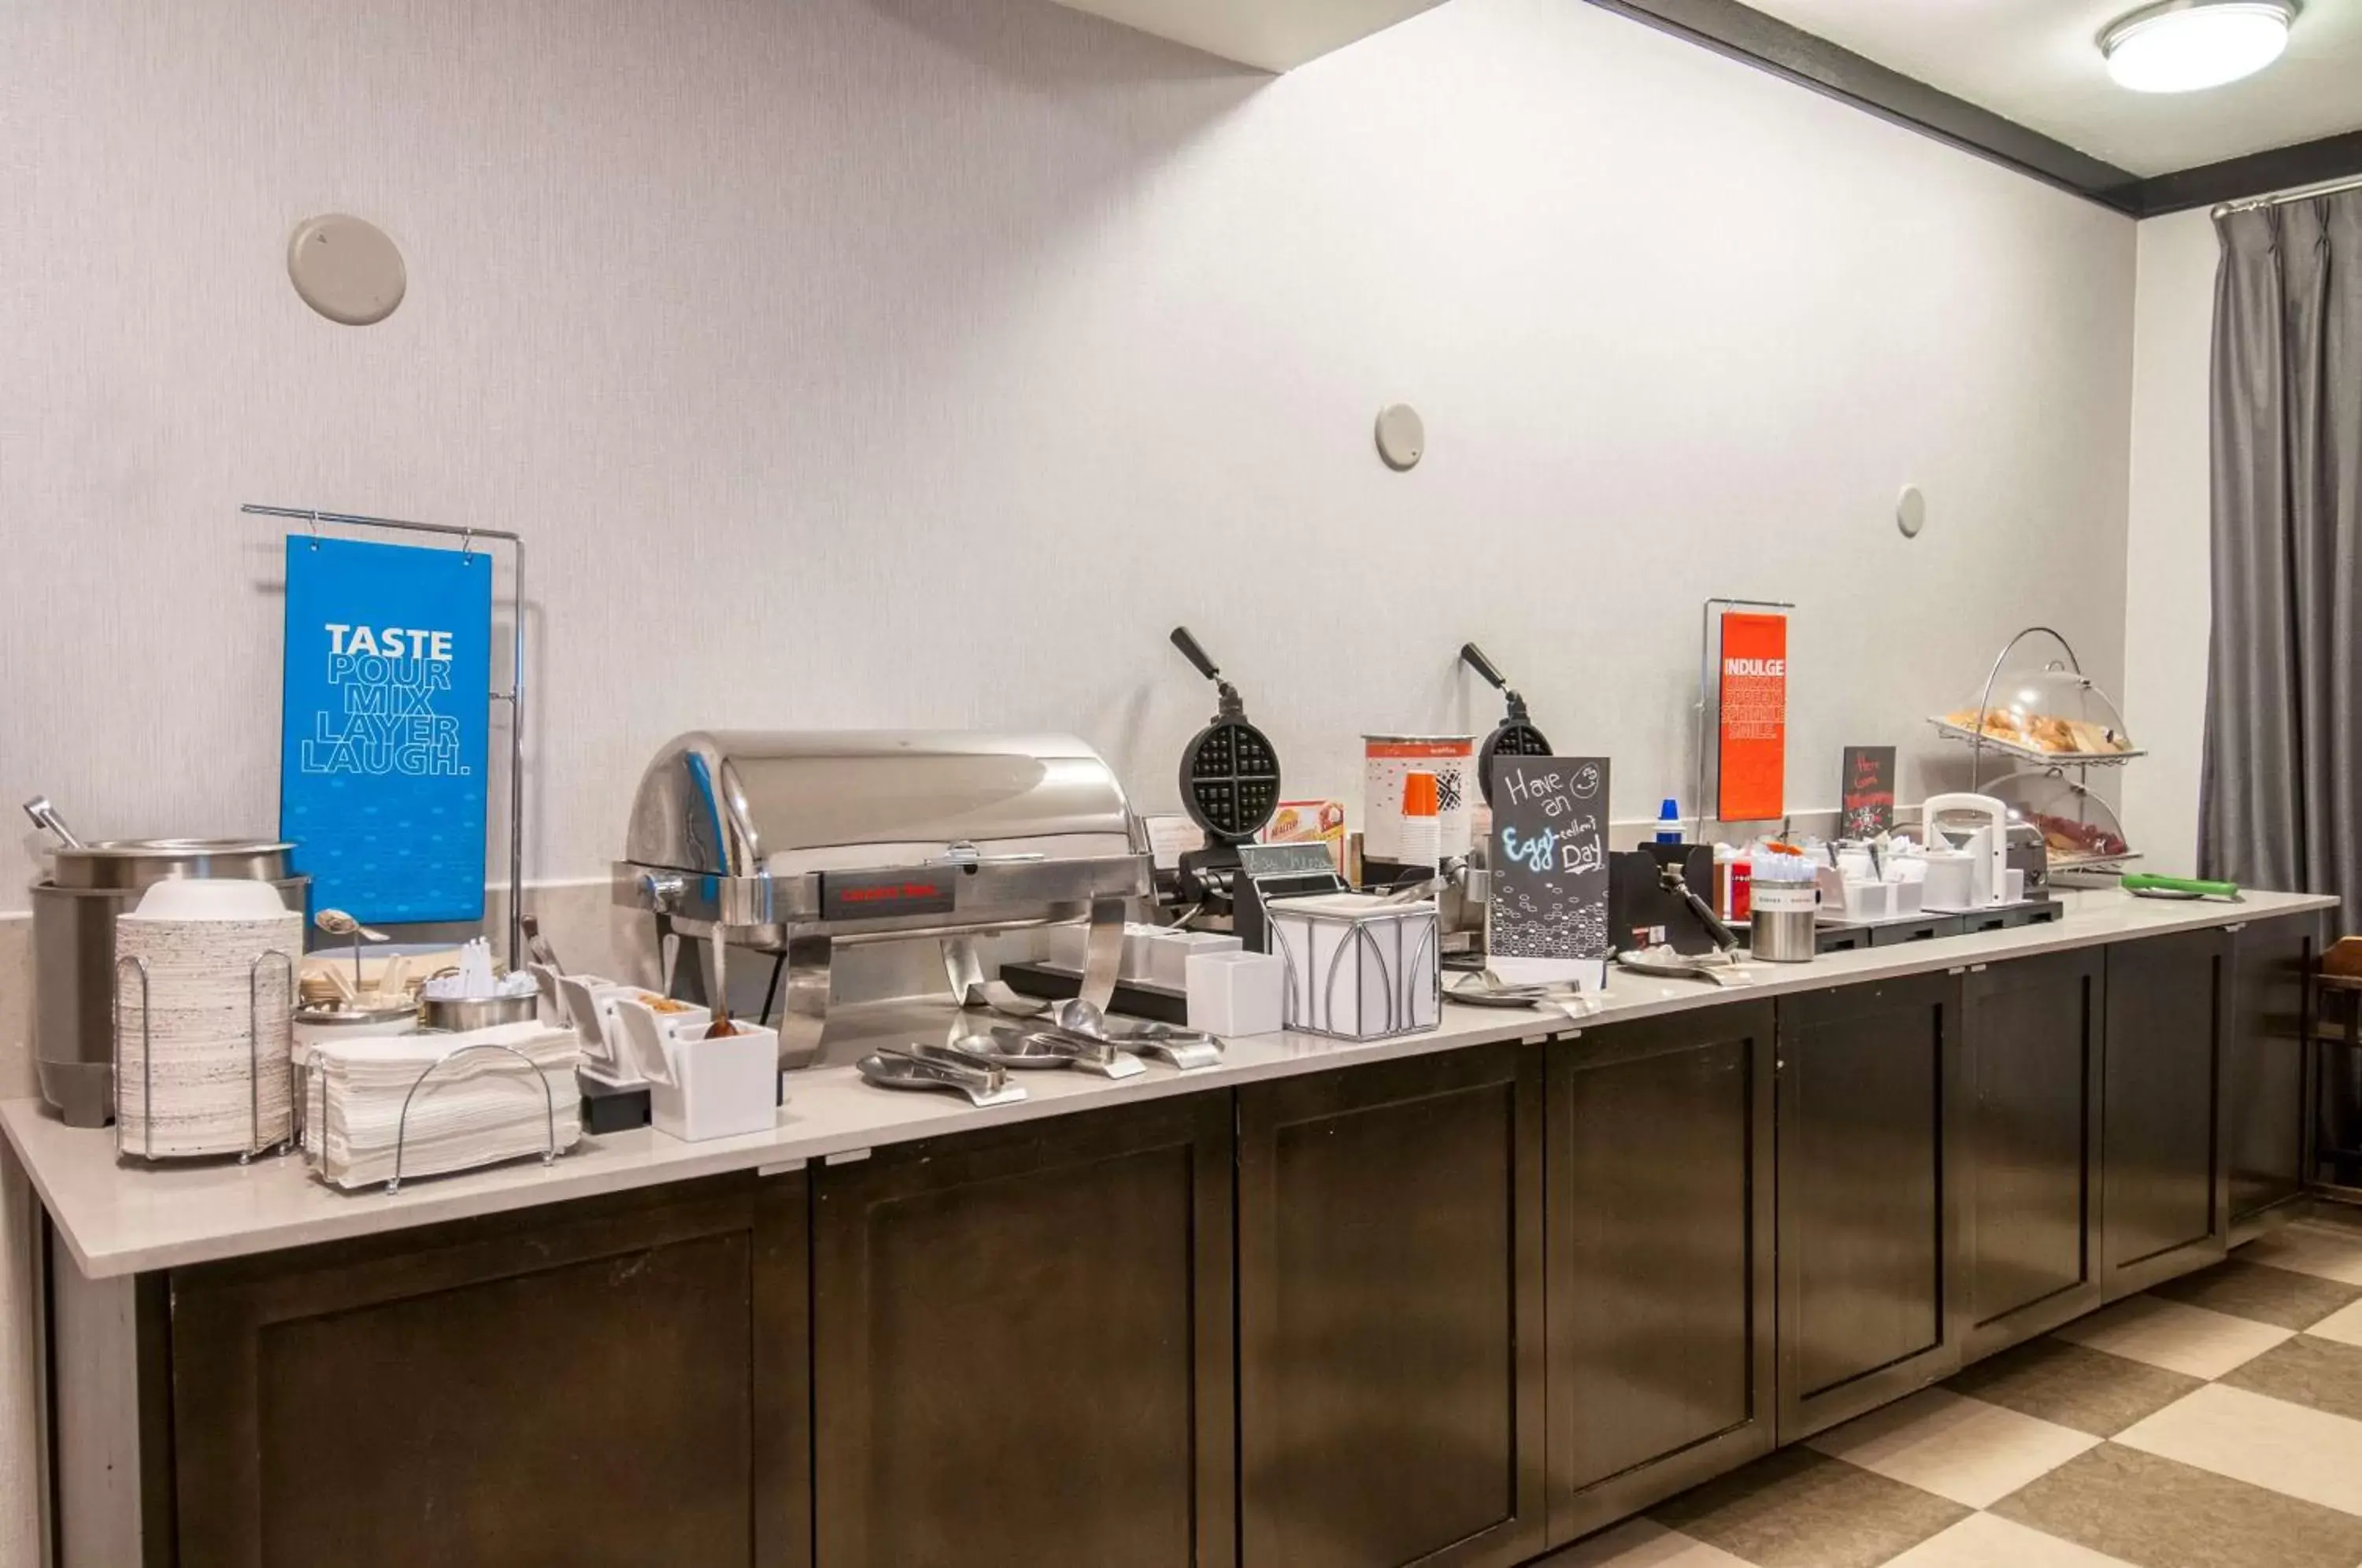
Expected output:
(922, 1066)
(964, 967)
(1008, 1046)
(1183, 1049)
(1718, 968)
(1668, 876)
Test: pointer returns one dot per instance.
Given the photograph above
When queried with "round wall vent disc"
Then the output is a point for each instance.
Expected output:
(347, 268)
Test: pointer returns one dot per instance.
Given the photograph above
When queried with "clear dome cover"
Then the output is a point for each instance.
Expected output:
(2080, 828)
(2037, 703)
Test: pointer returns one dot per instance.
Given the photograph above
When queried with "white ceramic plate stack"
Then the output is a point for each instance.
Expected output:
(219, 1081)
(471, 1106)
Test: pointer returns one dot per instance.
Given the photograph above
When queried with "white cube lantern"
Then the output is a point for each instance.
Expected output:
(1359, 967)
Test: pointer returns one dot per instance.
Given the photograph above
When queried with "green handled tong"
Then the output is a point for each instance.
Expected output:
(2148, 885)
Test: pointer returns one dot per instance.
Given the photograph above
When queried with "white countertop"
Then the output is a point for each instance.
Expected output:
(121, 1216)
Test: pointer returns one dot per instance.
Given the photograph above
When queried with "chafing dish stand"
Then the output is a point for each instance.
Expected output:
(795, 844)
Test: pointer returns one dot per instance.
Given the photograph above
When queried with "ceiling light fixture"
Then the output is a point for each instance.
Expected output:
(2181, 46)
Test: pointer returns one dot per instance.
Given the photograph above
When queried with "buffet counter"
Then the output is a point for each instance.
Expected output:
(120, 1217)
(1454, 1298)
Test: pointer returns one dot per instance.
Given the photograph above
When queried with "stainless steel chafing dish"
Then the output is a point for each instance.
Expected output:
(796, 843)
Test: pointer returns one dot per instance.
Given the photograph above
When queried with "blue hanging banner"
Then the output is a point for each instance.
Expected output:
(385, 727)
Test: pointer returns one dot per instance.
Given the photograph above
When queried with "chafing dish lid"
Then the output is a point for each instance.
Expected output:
(742, 803)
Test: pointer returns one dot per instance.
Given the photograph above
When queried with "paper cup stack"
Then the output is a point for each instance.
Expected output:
(219, 1081)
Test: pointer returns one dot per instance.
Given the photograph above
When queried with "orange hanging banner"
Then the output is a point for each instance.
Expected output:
(1753, 771)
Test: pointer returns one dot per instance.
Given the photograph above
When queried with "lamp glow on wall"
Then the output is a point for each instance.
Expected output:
(2181, 46)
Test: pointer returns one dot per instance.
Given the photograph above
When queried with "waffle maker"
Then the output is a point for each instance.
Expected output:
(1466, 888)
(1230, 786)
(1515, 736)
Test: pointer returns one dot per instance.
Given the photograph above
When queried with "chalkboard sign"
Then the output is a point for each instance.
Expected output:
(1548, 857)
(1868, 791)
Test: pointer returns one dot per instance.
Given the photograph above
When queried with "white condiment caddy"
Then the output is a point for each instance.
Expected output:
(701, 1086)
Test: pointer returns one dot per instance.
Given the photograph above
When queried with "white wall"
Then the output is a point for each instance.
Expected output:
(921, 362)
(856, 362)
(2169, 606)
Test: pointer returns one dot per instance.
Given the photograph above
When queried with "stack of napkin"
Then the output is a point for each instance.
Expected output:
(471, 1106)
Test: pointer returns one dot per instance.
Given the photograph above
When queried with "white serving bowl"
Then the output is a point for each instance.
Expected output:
(209, 898)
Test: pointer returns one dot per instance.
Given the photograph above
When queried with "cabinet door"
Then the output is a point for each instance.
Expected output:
(2263, 1067)
(1660, 1282)
(1022, 1346)
(2165, 1194)
(571, 1386)
(2030, 1167)
(1390, 1314)
(1868, 1087)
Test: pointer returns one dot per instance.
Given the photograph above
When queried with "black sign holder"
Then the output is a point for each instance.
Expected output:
(1547, 862)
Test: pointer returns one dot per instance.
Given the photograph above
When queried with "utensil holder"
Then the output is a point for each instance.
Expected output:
(644, 1037)
(590, 1003)
(1233, 993)
(1785, 927)
(716, 1088)
(1138, 944)
(1170, 952)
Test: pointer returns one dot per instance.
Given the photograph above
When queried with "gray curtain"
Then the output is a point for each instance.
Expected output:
(2280, 794)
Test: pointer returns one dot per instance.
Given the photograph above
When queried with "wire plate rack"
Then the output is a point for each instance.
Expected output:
(256, 1143)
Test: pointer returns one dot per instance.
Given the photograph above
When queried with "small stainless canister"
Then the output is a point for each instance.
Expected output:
(457, 1015)
(1784, 927)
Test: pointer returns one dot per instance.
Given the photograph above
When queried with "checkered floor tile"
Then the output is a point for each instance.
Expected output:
(2215, 1422)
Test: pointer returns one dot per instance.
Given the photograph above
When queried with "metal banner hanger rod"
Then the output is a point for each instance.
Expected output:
(356, 520)
(514, 696)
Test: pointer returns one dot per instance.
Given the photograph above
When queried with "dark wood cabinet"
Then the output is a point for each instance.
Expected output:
(1870, 1298)
(2265, 1063)
(1661, 1273)
(2032, 1054)
(2165, 1196)
(1448, 1310)
(1022, 1346)
(1390, 1314)
(575, 1388)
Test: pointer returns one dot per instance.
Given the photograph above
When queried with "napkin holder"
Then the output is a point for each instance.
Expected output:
(1358, 966)
(316, 1131)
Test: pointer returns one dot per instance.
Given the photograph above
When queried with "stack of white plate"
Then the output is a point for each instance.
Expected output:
(448, 1102)
(214, 1021)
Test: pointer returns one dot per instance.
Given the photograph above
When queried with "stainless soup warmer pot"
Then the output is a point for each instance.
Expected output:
(73, 947)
